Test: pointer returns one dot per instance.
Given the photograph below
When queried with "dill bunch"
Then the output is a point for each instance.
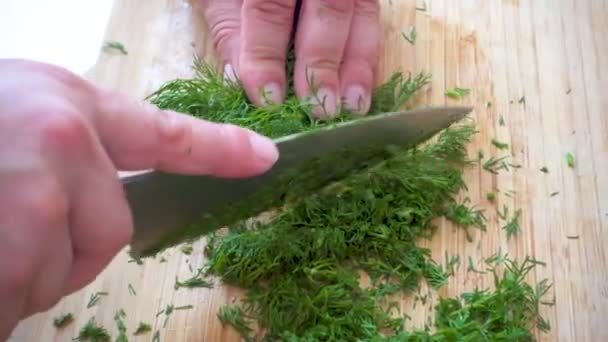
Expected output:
(302, 268)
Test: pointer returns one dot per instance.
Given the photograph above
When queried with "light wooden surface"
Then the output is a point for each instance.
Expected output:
(553, 52)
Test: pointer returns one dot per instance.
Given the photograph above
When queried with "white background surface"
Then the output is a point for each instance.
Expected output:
(68, 33)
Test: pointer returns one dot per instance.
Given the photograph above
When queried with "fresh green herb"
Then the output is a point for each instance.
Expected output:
(553, 194)
(234, 316)
(195, 281)
(162, 259)
(132, 290)
(568, 91)
(92, 332)
(522, 100)
(510, 193)
(489, 105)
(504, 214)
(187, 249)
(499, 145)
(136, 260)
(168, 310)
(490, 196)
(501, 120)
(457, 92)
(494, 165)
(512, 227)
(63, 320)
(142, 328)
(480, 155)
(570, 159)
(464, 216)
(411, 36)
(156, 337)
(573, 237)
(451, 264)
(94, 299)
(471, 266)
(544, 169)
(119, 318)
(115, 46)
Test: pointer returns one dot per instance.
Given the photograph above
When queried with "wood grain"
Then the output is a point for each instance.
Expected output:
(552, 52)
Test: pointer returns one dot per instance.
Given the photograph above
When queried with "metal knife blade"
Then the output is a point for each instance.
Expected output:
(169, 209)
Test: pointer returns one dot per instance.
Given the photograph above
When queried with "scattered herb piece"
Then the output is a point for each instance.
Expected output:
(522, 100)
(92, 332)
(499, 145)
(187, 249)
(464, 216)
(63, 320)
(457, 93)
(452, 264)
(568, 91)
(115, 46)
(132, 290)
(573, 237)
(505, 212)
(490, 196)
(489, 105)
(142, 328)
(136, 260)
(544, 169)
(411, 36)
(234, 316)
(162, 259)
(120, 325)
(512, 227)
(494, 165)
(501, 120)
(471, 266)
(94, 299)
(553, 194)
(195, 281)
(156, 337)
(570, 159)
(480, 155)
(169, 310)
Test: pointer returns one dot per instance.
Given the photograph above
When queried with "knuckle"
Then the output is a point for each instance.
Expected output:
(275, 12)
(48, 205)
(367, 8)
(223, 31)
(338, 7)
(61, 127)
(172, 132)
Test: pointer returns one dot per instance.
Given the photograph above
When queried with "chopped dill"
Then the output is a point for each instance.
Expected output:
(115, 46)
(544, 169)
(553, 194)
(195, 281)
(94, 299)
(500, 145)
(132, 290)
(491, 196)
(493, 165)
(156, 337)
(573, 237)
(234, 316)
(92, 332)
(522, 100)
(457, 92)
(187, 249)
(512, 227)
(471, 266)
(63, 320)
(119, 318)
(570, 159)
(168, 310)
(501, 120)
(411, 36)
(142, 328)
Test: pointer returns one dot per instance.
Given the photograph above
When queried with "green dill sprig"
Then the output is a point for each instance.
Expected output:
(142, 328)
(168, 310)
(513, 227)
(63, 320)
(234, 316)
(119, 318)
(95, 298)
(570, 159)
(195, 280)
(411, 36)
(131, 290)
(457, 93)
(471, 266)
(464, 216)
(115, 46)
(500, 145)
(92, 332)
(493, 165)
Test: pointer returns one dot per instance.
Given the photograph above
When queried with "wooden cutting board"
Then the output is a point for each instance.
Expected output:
(552, 53)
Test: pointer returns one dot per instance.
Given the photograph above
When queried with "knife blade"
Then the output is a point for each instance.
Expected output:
(169, 209)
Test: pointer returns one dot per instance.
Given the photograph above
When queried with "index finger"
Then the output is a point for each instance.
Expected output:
(141, 136)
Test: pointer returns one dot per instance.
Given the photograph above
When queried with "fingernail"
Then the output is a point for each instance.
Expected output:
(325, 105)
(357, 99)
(272, 93)
(230, 73)
(264, 148)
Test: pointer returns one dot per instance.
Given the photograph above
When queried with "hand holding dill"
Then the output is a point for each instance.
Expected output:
(331, 65)
(63, 214)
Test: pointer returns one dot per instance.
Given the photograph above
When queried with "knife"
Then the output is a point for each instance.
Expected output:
(169, 209)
